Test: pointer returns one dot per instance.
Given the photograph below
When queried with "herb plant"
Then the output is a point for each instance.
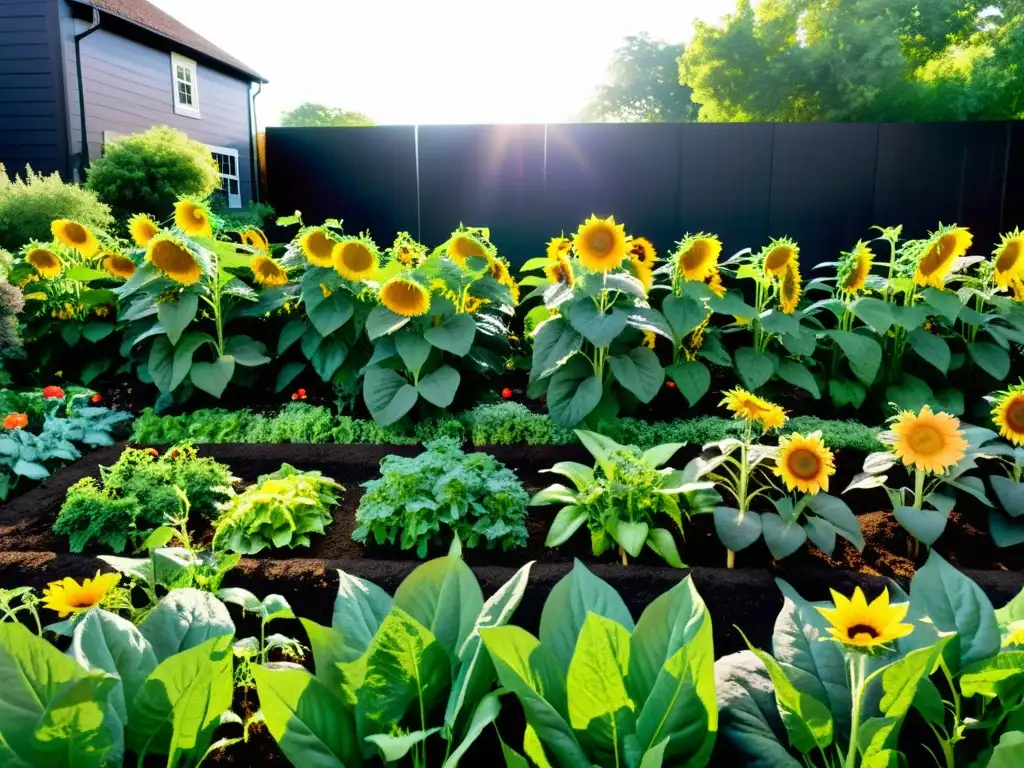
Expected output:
(622, 498)
(420, 501)
(281, 509)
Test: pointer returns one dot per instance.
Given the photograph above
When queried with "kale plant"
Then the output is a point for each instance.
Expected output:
(423, 500)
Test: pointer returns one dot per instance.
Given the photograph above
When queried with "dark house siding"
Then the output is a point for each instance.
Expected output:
(32, 128)
(127, 87)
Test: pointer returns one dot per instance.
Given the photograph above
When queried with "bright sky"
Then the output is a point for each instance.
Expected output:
(435, 61)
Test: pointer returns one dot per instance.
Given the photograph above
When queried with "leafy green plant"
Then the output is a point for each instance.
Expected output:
(513, 424)
(417, 501)
(251, 651)
(598, 689)
(621, 499)
(281, 509)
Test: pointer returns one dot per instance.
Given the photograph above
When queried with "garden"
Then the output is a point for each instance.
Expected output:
(323, 499)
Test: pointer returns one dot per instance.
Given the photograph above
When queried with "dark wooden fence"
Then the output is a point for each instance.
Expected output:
(822, 184)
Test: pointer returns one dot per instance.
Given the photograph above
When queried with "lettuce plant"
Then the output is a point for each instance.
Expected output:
(621, 498)
(417, 500)
(598, 689)
(280, 510)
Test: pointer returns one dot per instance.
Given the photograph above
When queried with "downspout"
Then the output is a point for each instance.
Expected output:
(83, 156)
(254, 169)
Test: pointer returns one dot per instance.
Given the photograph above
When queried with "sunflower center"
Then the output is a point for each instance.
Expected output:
(639, 253)
(320, 245)
(41, 258)
(926, 440)
(76, 233)
(1008, 258)
(80, 600)
(855, 632)
(1015, 414)
(804, 463)
(777, 258)
(357, 257)
(600, 241)
(172, 258)
(467, 247)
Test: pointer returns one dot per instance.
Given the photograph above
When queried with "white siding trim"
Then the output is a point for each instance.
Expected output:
(228, 159)
(185, 89)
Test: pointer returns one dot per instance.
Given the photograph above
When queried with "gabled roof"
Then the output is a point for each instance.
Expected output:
(148, 16)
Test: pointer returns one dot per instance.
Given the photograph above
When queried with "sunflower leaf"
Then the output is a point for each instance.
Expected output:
(213, 377)
(175, 316)
(454, 335)
(388, 395)
(639, 371)
(692, 378)
(383, 321)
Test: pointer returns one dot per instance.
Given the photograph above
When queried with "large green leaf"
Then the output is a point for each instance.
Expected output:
(597, 327)
(783, 537)
(454, 335)
(246, 351)
(797, 374)
(692, 377)
(291, 333)
(945, 303)
(213, 377)
(876, 313)
(997, 677)
(387, 394)
(287, 375)
(161, 363)
(359, 609)
(1009, 752)
(183, 353)
(329, 357)
(808, 721)
(382, 321)
(639, 371)
(175, 316)
(413, 349)
(394, 747)
(863, 353)
(735, 530)
(837, 512)
(933, 349)
(485, 713)
(554, 342)
(329, 314)
(578, 593)
(438, 387)
(571, 398)
(925, 525)
(183, 619)
(754, 368)
(991, 358)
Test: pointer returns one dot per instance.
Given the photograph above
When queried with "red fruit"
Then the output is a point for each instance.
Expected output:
(301, 393)
(295, 395)
(152, 452)
(97, 398)
(506, 393)
(670, 384)
(175, 453)
(53, 393)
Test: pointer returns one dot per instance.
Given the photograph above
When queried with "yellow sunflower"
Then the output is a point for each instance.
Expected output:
(601, 244)
(642, 251)
(860, 624)
(696, 258)
(928, 441)
(789, 288)
(473, 304)
(355, 259)
(778, 254)
(193, 218)
(1008, 414)
(804, 463)
(1016, 634)
(465, 245)
(1017, 286)
(404, 296)
(1009, 259)
(174, 259)
(643, 273)
(46, 262)
(77, 236)
(649, 339)
(938, 254)
(119, 265)
(558, 248)
(318, 246)
(255, 238)
(499, 270)
(560, 271)
(142, 228)
(749, 407)
(67, 596)
(715, 284)
(855, 268)
(266, 271)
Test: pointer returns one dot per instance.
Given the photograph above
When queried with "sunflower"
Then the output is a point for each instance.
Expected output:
(789, 288)
(643, 273)
(854, 269)
(465, 245)
(938, 253)
(641, 251)
(499, 270)
(67, 596)
(804, 463)
(404, 296)
(46, 262)
(1009, 259)
(696, 258)
(749, 407)
(715, 284)
(1016, 635)
(355, 258)
(860, 624)
(318, 246)
(600, 244)
(649, 339)
(255, 238)
(119, 265)
(77, 236)
(472, 304)
(174, 259)
(778, 254)
(560, 271)
(928, 441)
(1008, 414)
(266, 271)
(558, 248)
(193, 218)
(142, 228)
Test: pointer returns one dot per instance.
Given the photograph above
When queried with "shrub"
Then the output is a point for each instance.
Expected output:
(11, 303)
(417, 500)
(147, 172)
(28, 205)
(513, 424)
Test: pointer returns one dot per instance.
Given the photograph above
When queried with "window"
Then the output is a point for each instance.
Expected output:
(227, 161)
(185, 83)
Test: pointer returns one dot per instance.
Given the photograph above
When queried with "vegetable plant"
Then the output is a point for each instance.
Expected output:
(622, 497)
(419, 501)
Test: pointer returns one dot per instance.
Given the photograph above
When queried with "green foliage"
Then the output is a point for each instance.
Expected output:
(281, 509)
(137, 493)
(316, 115)
(416, 501)
(511, 423)
(253, 216)
(147, 172)
(12, 301)
(29, 204)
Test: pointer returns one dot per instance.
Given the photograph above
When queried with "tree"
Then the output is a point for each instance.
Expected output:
(858, 60)
(644, 86)
(313, 114)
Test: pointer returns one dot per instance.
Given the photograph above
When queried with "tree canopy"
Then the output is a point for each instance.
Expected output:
(313, 114)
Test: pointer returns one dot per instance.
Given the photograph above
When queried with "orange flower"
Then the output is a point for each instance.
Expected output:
(53, 393)
(16, 421)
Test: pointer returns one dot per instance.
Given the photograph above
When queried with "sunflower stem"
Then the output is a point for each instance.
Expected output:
(857, 666)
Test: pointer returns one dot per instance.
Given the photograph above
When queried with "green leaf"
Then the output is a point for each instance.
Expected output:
(287, 375)
(454, 335)
(175, 316)
(925, 525)
(876, 313)
(629, 535)
(845, 392)
(737, 531)
(309, 723)
(94, 368)
(328, 315)
(597, 327)
(329, 357)
(97, 331)
(836, 511)
(783, 538)
(945, 303)
(486, 712)
(33, 470)
(213, 377)
(647, 319)
(774, 321)
(388, 395)
(798, 375)
(394, 748)
(661, 543)
(1009, 493)
(1000, 676)
(183, 354)
(359, 610)
(732, 304)
(161, 363)
(639, 371)
(554, 342)
(71, 332)
(1009, 752)
(692, 378)
(578, 593)
(183, 619)
(932, 349)
(413, 349)
(754, 368)
(570, 399)
(84, 274)
(566, 523)
(310, 342)
(863, 353)
(991, 358)
(290, 334)
(382, 321)
(246, 351)
(438, 387)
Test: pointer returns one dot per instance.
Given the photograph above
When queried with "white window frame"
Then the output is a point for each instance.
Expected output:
(234, 200)
(187, 110)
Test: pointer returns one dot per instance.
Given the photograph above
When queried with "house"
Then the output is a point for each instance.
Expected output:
(75, 74)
